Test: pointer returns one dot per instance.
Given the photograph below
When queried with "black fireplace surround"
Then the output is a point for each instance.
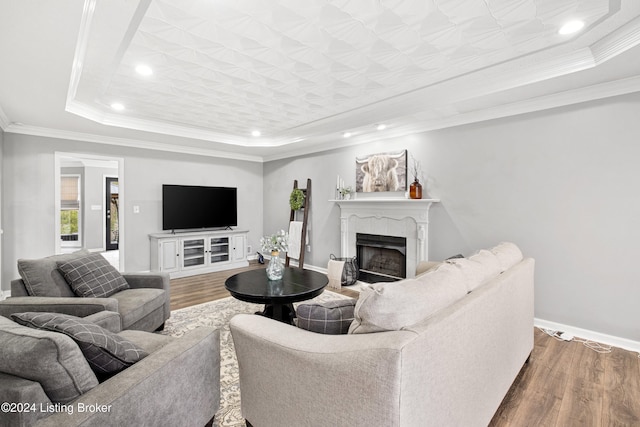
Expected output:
(381, 258)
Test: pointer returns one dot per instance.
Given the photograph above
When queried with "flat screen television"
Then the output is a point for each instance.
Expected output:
(186, 207)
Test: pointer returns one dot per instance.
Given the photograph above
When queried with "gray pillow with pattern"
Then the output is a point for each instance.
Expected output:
(50, 358)
(92, 276)
(106, 352)
(331, 317)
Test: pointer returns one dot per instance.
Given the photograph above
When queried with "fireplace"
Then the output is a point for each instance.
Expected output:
(381, 258)
(404, 218)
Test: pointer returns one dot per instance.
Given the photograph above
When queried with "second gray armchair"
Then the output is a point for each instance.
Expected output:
(143, 304)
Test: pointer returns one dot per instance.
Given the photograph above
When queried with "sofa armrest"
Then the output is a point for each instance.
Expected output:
(282, 363)
(148, 280)
(22, 391)
(75, 306)
(109, 320)
(177, 385)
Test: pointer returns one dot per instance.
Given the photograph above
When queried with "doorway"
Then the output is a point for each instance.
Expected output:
(100, 220)
(112, 229)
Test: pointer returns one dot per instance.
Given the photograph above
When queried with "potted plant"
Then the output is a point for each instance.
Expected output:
(275, 243)
(296, 199)
(345, 193)
(415, 189)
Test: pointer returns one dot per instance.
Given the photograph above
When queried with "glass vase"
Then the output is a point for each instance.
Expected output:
(275, 269)
(415, 190)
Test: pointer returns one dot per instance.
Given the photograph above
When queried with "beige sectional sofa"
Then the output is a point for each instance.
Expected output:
(439, 350)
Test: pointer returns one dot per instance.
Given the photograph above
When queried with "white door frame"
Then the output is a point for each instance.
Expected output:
(58, 155)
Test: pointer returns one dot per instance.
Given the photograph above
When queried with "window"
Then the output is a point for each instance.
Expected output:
(70, 210)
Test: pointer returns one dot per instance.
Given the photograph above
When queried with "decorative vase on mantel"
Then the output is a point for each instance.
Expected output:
(275, 269)
(415, 189)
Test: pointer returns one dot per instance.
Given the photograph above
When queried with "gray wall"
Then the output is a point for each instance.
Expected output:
(1, 203)
(28, 194)
(562, 184)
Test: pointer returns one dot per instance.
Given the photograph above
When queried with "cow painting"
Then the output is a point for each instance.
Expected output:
(381, 172)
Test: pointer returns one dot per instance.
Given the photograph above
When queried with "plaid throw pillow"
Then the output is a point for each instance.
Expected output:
(332, 317)
(106, 352)
(92, 276)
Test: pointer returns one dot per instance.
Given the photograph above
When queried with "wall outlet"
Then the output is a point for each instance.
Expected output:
(308, 248)
(249, 249)
(136, 209)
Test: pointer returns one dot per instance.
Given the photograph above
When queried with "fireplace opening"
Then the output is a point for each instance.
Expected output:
(381, 258)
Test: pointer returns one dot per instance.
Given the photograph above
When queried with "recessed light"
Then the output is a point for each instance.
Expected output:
(381, 127)
(117, 106)
(346, 134)
(144, 70)
(571, 27)
(256, 133)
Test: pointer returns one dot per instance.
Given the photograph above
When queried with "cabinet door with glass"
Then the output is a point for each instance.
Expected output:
(193, 253)
(218, 249)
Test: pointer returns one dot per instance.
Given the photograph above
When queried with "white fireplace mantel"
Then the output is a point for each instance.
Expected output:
(400, 217)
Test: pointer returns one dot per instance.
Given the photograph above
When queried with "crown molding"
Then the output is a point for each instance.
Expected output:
(618, 42)
(88, 11)
(331, 142)
(127, 142)
(561, 99)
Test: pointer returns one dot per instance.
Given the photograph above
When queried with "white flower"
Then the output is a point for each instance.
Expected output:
(275, 242)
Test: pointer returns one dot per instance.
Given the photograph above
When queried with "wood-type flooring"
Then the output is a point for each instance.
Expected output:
(565, 384)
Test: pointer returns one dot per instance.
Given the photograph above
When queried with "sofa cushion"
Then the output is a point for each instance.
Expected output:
(52, 359)
(42, 278)
(331, 317)
(508, 255)
(478, 268)
(92, 276)
(396, 305)
(135, 304)
(106, 352)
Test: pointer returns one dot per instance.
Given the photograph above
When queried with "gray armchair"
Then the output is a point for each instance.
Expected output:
(178, 383)
(144, 306)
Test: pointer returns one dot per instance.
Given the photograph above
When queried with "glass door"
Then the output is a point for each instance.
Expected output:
(112, 210)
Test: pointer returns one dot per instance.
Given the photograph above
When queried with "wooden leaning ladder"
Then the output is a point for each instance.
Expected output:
(306, 205)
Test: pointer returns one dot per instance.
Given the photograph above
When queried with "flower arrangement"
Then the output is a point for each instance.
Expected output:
(416, 169)
(345, 192)
(278, 242)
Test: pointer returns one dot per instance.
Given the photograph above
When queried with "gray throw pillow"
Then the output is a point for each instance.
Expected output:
(332, 317)
(106, 352)
(92, 276)
(49, 358)
(42, 278)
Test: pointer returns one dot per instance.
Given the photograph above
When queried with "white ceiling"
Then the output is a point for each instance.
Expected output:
(301, 72)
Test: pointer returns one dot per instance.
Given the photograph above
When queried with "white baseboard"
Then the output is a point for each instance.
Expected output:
(611, 340)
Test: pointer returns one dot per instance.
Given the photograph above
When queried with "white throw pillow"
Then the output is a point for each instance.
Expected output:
(508, 255)
(393, 306)
(478, 268)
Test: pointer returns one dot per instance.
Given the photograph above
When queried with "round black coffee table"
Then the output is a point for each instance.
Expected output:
(278, 296)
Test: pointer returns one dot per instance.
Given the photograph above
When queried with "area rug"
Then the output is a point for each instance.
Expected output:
(217, 314)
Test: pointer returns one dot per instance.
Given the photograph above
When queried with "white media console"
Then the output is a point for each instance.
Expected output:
(191, 253)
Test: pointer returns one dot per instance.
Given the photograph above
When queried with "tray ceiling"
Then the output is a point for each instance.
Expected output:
(299, 71)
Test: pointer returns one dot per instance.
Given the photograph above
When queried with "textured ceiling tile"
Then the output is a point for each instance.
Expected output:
(282, 63)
